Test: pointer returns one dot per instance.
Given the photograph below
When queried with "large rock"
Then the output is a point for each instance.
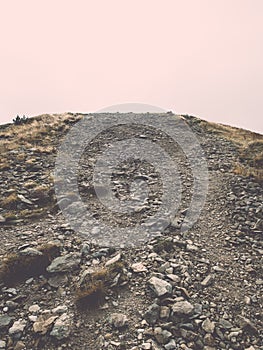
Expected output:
(61, 329)
(18, 328)
(160, 287)
(64, 263)
(118, 320)
(5, 321)
(152, 313)
(208, 326)
(247, 325)
(43, 324)
(182, 308)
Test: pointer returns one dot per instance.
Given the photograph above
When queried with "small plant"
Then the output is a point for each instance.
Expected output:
(16, 267)
(19, 121)
(10, 202)
(90, 293)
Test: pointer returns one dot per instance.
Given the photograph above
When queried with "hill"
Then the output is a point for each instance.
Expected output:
(200, 289)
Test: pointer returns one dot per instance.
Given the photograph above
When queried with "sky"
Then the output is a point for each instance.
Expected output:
(197, 57)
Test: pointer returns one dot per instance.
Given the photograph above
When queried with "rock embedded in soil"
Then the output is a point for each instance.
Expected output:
(64, 263)
(182, 308)
(160, 287)
(118, 320)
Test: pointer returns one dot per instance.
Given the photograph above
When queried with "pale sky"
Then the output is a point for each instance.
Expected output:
(198, 57)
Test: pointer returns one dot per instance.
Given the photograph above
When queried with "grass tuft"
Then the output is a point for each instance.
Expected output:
(91, 293)
(16, 267)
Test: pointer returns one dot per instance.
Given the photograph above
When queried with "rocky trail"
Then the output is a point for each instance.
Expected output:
(201, 289)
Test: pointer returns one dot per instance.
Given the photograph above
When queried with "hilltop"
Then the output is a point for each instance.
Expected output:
(196, 290)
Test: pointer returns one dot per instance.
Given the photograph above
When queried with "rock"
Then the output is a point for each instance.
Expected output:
(160, 287)
(113, 260)
(162, 335)
(138, 267)
(247, 325)
(192, 248)
(174, 278)
(225, 324)
(20, 346)
(24, 199)
(11, 305)
(171, 345)
(64, 263)
(2, 219)
(31, 252)
(182, 308)
(85, 249)
(118, 320)
(2, 344)
(164, 312)
(43, 324)
(146, 346)
(208, 326)
(208, 339)
(5, 321)
(34, 308)
(57, 281)
(152, 314)
(61, 329)
(18, 328)
(207, 281)
(61, 309)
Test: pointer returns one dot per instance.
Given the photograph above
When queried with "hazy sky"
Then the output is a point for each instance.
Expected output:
(199, 57)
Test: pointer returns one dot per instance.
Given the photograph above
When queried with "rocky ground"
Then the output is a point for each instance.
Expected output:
(198, 290)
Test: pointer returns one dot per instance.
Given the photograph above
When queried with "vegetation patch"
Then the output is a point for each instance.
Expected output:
(17, 267)
(249, 145)
(90, 293)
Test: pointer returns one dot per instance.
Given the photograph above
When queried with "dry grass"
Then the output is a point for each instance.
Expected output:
(37, 133)
(250, 146)
(37, 138)
(90, 294)
(16, 267)
(10, 202)
(4, 165)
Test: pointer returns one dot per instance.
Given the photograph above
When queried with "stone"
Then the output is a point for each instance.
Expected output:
(208, 339)
(61, 309)
(159, 286)
(207, 281)
(64, 263)
(162, 335)
(34, 308)
(182, 308)
(2, 219)
(247, 325)
(5, 321)
(146, 346)
(138, 267)
(2, 344)
(174, 278)
(11, 305)
(113, 260)
(171, 345)
(208, 326)
(61, 329)
(43, 324)
(31, 252)
(17, 328)
(20, 346)
(57, 281)
(152, 314)
(164, 312)
(118, 320)
(225, 324)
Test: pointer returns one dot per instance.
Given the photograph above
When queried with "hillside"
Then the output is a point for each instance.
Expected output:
(200, 289)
